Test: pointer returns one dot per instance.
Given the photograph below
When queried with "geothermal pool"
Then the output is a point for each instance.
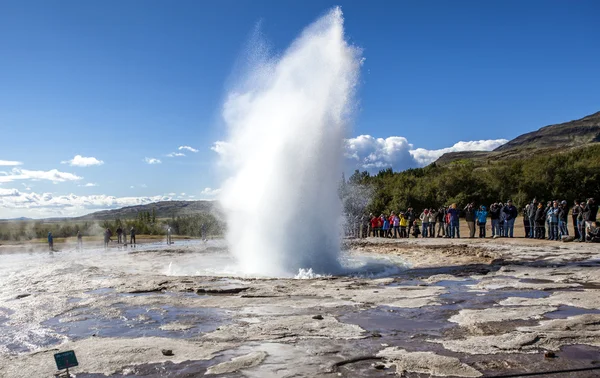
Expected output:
(466, 307)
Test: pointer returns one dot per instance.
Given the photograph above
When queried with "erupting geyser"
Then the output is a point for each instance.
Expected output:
(286, 122)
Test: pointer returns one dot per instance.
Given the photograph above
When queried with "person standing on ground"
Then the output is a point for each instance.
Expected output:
(373, 225)
(132, 237)
(470, 219)
(433, 215)
(539, 221)
(447, 222)
(106, 238)
(386, 226)
(563, 217)
(552, 215)
(50, 242)
(481, 215)
(119, 233)
(169, 235)
(511, 213)
(581, 222)
(410, 218)
(441, 216)
(526, 224)
(424, 217)
(403, 226)
(532, 211)
(454, 224)
(495, 217)
(79, 241)
(574, 216)
(590, 212)
(396, 225)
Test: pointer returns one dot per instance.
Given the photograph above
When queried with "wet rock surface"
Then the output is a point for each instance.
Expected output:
(455, 308)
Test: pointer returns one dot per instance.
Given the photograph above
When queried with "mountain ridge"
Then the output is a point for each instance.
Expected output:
(547, 139)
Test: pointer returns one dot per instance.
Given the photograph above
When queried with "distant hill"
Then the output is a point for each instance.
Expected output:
(164, 209)
(564, 136)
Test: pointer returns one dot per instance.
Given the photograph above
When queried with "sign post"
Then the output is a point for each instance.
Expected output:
(65, 360)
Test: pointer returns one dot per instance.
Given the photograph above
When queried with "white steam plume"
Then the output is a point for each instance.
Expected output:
(286, 122)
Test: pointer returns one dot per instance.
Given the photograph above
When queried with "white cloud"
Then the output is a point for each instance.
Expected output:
(425, 157)
(82, 161)
(17, 203)
(9, 192)
(152, 160)
(191, 149)
(51, 175)
(220, 147)
(175, 154)
(144, 186)
(9, 163)
(366, 152)
(172, 194)
(131, 187)
(372, 154)
(89, 185)
(209, 192)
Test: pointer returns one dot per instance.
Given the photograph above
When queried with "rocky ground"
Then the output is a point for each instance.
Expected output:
(465, 308)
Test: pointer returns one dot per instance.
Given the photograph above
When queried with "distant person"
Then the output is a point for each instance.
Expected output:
(454, 223)
(106, 238)
(470, 219)
(590, 212)
(416, 230)
(132, 236)
(169, 235)
(433, 215)
(526, 224)
(396, 225)
(386, 226)
(424, 217)
(440, 220)
(403, 226)
(540, 221)
(373, 226)
(532, 211)
(575, 211)
(552, 216)
(410, 217)
(50, 242)
(79, 241)
(481, 215)
(594, 234)
(511, 213)
(563, 217)
(119, 234)
(495, 217)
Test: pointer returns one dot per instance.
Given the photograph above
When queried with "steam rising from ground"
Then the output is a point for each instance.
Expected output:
(287, 121)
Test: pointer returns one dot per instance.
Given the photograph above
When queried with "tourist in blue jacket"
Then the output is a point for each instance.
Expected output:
(552, 217)
(50, 241)
(481, 216)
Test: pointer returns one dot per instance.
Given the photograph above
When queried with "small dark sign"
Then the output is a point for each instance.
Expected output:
(65, 360)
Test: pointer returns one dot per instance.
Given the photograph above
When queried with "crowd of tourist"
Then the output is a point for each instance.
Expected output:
(539, 221)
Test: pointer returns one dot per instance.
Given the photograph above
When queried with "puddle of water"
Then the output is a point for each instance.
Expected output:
(581, 352)
(125, 321)
(564, 312)
(430, 320)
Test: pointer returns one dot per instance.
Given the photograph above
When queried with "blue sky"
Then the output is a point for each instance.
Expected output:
(121, 81)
